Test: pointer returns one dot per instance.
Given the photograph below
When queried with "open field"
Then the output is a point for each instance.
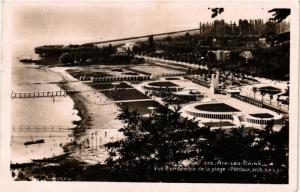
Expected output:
(163, 84)
(76, 73)
(120, 71)
(154, 70)
(103, 71)
(101, 86)
(124, 94)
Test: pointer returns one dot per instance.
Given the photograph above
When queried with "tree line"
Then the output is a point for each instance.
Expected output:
(167, 140)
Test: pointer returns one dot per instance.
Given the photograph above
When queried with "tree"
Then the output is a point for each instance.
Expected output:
(211, 56)
(160, 140)
(278, 101)
(279, 14)
(262, 96)
(254, 90)
(150, 42)
(278, 143)
(247, 55)
(271, 97)
(187, 37)
(168, 39)
(166, 140)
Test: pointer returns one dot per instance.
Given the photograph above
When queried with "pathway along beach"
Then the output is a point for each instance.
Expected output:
(98, 124)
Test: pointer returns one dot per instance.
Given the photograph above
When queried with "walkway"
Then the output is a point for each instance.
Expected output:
(172, 62)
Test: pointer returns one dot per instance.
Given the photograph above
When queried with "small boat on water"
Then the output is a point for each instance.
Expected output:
(34, 142)
(27, 60)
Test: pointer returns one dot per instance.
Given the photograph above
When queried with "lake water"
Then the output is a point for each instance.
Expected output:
(38, 112)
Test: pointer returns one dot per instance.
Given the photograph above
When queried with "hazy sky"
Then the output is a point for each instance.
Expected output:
(79, 23)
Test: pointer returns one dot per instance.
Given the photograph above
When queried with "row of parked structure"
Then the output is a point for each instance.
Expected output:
(173, 74)
(111, 79)
(129, 78)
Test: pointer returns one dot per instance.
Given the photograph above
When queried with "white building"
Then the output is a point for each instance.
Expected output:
(214, 85)
(129, 46)
(124, 49)
(222, 55)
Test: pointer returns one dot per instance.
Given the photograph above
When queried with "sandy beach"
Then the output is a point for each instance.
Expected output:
(98, 124)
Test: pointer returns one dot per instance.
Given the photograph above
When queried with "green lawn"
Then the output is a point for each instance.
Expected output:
(124, 94)
(76, 73)
(163, 84)
(101, 86)
(269, 89)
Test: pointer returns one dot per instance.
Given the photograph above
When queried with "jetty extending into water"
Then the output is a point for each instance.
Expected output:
(39, 94)
(41, 128)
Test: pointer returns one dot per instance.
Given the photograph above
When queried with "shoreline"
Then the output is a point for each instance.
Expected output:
(64, 116)
(98, 120)
(81, 124)
(19, 169)
(79, 106)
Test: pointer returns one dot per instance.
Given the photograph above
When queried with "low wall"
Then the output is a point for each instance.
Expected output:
(112, 79)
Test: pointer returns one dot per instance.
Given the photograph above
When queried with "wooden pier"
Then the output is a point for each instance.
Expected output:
(41, 128)
(39, 94)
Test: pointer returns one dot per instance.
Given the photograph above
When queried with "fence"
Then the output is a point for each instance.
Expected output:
(198, 81)
(38, 94)
(112, 79)
(248, 100)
